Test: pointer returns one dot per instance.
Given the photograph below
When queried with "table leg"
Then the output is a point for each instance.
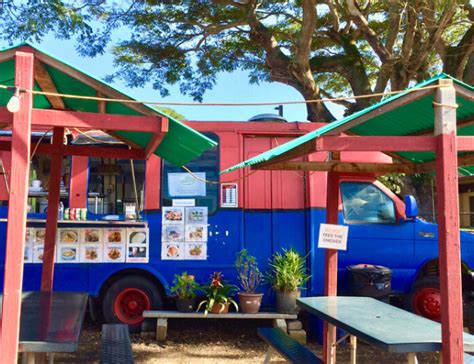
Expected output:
(268, 355)
(161, 329)
(28, 358)
(331, 348)
(353, 345)
(51, 358)
(411, 358)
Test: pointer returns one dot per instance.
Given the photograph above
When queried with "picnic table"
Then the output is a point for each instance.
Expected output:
(380, 324)
(51, 322)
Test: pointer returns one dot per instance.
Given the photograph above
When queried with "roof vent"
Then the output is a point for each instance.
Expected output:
(268, 117)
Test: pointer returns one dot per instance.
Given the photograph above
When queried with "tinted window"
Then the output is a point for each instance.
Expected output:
(363, 202)
(179, 184)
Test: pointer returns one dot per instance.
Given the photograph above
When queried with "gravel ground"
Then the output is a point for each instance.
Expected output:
(214, 341)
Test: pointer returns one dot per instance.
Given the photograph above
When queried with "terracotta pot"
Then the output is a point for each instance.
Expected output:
(220, 308)
(286, 301)
(186, 305)
(250, 302)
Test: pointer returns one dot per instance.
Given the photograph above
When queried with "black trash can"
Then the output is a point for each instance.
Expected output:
(370, 280)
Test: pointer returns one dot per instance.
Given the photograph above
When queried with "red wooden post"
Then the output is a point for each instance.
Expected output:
(52, 218)
(16, 229)
(78, 182)
(330, 265)
(448, 224)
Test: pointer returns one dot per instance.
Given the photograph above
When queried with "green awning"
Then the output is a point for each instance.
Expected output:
(181, 143)
(411, 118)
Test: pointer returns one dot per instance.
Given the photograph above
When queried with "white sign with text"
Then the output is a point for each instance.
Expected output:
(333, 236)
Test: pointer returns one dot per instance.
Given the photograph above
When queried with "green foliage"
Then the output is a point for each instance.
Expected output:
(184, 286)
(393, 181)
(323, 50)
(287, 271)
(249, 275)
(218, 291)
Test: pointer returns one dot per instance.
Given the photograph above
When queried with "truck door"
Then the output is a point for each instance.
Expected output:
(274, 202)
(376, 234)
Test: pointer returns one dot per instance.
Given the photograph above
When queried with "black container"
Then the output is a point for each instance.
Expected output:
(369, 280)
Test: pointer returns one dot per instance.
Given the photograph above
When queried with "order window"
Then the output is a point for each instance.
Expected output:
(201, 187)
(365, 203)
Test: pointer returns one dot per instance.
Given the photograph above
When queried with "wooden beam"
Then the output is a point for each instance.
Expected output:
(448, 224)
(464, 92)
(347, 167)
(101, 105)
(157, 138)
(16, 227)
(46, 84)
(47, 272)
(465, 143)
(401, 101)
(303, 149)
(376, 143)
(463, 123)
(85, 120)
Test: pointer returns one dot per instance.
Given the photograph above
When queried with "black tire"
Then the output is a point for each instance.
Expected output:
(138, 292)
(424, 298)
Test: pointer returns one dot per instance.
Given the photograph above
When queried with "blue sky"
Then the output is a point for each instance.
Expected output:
(230, 87)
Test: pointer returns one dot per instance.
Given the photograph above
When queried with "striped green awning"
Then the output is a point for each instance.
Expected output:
(181, 143)
(411, 118)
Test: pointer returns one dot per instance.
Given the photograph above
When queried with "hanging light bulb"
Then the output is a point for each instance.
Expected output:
(14, 103)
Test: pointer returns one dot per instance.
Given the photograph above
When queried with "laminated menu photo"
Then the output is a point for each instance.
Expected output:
(196, 251)
(67, 253)
(68, 236)
(196, 215)
(137, 254)
(115, 235)
(196, 232)
(91, 235)
(114, 253)
(137, 236)
(38, 252)
(91, 253)
(173, 215)
(39, 236)
(172, 251)
(172, 233)
(28, 256)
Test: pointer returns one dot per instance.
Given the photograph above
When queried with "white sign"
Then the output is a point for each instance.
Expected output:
(184, 184)
(184, 202)
(333, 236)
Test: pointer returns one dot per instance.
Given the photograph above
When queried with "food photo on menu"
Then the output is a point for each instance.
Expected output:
(115, 235)
(137, 237)
(196, 251)
(196, 232)
(114, 254)
(68, 254)
(136, 252)
(92, 235)
(40, 235)
(91, 253)
(38, 252)
(170, 250)
(196, 215)
(68, 236)
(172, 233)
(173, 215)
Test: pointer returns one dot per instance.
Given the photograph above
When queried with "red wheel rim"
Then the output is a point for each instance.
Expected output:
(427, 303)
(130, 304)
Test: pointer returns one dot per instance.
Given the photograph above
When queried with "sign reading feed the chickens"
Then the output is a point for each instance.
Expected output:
(333, 236)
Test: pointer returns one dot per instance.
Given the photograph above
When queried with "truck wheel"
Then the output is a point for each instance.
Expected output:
(127, 298)
(425, 298)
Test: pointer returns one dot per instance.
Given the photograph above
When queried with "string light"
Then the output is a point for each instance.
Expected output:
(14, 103)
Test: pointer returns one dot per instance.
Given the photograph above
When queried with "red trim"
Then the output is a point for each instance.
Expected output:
(52, 217)
(465, 143)
(130, 304)
(16, 228)
(153, 183)
(376, 143)
(78, 182)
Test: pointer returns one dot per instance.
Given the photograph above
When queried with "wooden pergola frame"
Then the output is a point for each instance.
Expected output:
(446, 145)
(29, 68)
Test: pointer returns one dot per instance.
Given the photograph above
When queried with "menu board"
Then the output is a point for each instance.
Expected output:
(184, 233)
(91, 245)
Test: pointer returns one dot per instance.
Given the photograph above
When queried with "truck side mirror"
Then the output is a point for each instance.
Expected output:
(411, 207)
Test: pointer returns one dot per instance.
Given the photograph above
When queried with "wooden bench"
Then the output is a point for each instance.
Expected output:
(286, 346)
(279, 319)
(116, 345)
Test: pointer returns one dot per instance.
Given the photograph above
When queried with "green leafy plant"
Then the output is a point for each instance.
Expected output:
(184, 286)
(218, 291)
(249, 275)
(287, 271)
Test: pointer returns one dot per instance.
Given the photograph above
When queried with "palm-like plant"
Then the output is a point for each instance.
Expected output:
(218, 292)
(287, 271)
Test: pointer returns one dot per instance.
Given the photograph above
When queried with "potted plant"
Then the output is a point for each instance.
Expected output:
(287, 274)
(218, 295)
(249, 277)
(184, 287)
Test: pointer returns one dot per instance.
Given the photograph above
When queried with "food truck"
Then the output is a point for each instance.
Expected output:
(129, 226)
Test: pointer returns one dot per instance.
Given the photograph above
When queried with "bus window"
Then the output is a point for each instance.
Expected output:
(179, 184)
(365, 203)
(111, 184)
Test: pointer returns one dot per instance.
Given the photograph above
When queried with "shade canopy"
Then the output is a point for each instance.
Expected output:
(406, 114)
(180, 143)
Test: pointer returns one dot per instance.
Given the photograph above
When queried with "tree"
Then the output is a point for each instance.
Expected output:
(321, 48)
